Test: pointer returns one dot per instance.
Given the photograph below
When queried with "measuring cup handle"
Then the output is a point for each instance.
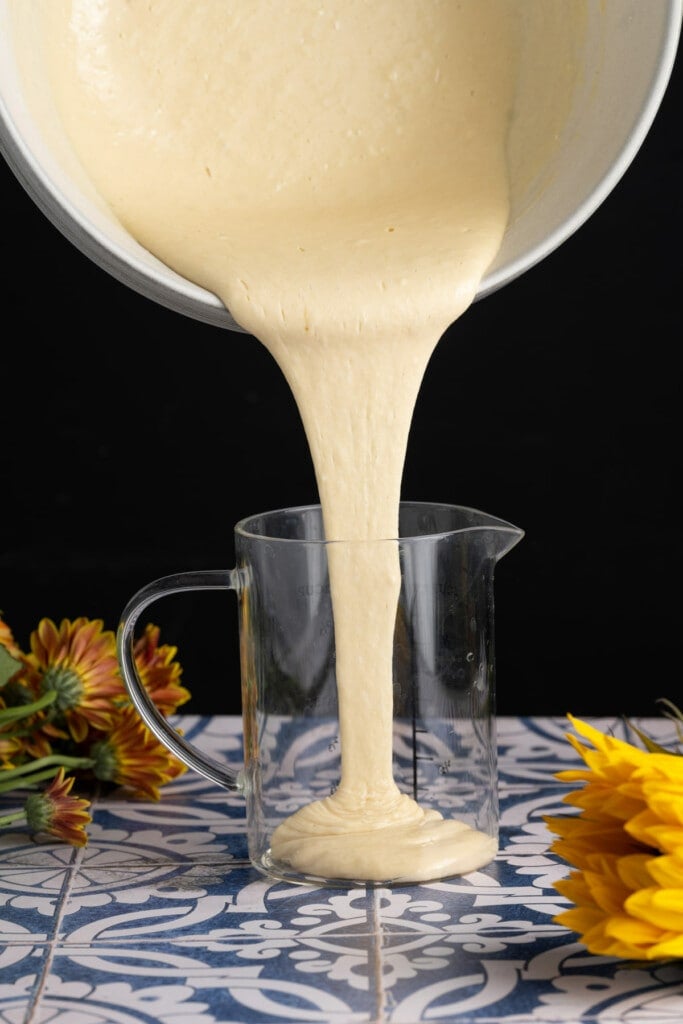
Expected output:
(191, 756)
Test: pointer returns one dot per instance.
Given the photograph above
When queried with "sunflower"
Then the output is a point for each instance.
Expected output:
(130, 756)
(79, 662)
(625, 847)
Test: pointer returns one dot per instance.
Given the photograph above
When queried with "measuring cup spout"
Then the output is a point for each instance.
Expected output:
(500, 536)
(482, 535)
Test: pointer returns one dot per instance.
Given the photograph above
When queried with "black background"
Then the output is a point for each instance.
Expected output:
(133, 438)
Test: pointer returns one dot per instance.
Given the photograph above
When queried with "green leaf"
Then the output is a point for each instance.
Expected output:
(650, 745)
(9, 666)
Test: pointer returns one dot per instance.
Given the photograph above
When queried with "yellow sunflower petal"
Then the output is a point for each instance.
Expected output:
(600, 941)
(666, 871)
(575, 889)
(580, 919)
(648, 829)
(663, 794)
(607, 893)
(634, 870)
(611, 754)
(632, 930)
(578, 850)
(628, 902)
(606, 801)
(661, 908)
(669, 947)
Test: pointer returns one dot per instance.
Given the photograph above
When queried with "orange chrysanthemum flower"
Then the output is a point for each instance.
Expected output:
(11, 746)
(78, 660)
(7, 640)
(64, 706)
(626, 848)
(25, 740)
(130, 756)
(18, 741)
(58, 813)
(159, 672)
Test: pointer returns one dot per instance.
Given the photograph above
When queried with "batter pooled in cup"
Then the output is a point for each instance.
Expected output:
(337, 172)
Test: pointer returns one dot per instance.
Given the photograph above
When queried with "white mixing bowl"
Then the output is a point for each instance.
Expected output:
(629, 54)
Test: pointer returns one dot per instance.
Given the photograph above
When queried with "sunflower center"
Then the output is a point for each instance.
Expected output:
(67, 683)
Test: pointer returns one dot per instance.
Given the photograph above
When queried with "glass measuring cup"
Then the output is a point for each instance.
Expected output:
(441, 743)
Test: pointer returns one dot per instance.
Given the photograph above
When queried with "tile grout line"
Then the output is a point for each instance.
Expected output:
(377, 955)
(34, 1004)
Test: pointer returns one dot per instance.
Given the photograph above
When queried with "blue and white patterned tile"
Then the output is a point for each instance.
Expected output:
(22, 969)
(132, 833)
(531, 751)
(524, 862)
(30, 904)
(572, 985)
(34, 883)
(137, 838)
(161, 919)
(217, 736)
(137, 906)
(171, 982)
(543, 980)
(20, 849)
(447, 984)
(180, 796)
(525, 803)
(196, 903)
(475, 905)
(312, 915)
(446, 981)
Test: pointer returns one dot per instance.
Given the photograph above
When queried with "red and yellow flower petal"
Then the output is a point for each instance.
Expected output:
(132, 757)
(7, 639)
(78, 659)
(159, 672)
(58, 813)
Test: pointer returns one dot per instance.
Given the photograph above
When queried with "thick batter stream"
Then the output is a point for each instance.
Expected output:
(337, 172)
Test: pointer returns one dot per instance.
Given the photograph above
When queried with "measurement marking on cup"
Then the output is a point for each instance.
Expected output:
(417, 731)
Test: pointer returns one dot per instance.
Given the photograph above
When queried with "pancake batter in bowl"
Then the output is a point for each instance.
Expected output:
(337, 172)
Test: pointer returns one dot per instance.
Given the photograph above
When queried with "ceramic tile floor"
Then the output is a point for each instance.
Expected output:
(161, 919)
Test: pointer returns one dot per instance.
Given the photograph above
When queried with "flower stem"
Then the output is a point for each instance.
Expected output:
(13, 714)
(31, 780)
(12, 778)
(8, 819)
